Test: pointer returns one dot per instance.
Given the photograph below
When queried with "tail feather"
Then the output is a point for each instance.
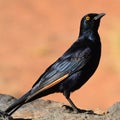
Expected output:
(18, 103)
(28, 97)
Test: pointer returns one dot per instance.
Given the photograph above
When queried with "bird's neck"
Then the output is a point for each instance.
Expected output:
(87, 32)
(91, 35)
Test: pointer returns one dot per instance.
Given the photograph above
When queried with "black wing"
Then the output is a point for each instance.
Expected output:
(61, 69)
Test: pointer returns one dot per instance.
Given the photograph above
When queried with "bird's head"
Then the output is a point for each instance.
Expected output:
(91, 22)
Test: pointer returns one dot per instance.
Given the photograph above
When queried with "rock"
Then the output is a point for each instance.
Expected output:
(114, 111)
(5, 101)
(51, 110)
(114, 108)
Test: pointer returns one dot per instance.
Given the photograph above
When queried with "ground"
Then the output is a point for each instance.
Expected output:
(33, 34)
(51, 110)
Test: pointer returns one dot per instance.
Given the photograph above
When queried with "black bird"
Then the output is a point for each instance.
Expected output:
(72, 69)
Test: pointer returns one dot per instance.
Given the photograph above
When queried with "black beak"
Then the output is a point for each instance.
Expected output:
(99, 16)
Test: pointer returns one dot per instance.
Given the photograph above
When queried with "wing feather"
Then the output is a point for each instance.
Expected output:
(60, 70)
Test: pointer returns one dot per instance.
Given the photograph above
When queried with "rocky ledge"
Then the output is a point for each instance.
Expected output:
(51, 110)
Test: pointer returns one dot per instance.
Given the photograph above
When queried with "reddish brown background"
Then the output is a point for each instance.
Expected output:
(33, 34)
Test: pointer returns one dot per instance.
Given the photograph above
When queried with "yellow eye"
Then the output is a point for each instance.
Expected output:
(87, 18)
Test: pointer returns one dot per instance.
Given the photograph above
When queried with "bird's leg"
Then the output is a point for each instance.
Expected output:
(67, 95)
(76, 110)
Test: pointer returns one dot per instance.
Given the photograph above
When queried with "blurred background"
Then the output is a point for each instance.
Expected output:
(34, 33)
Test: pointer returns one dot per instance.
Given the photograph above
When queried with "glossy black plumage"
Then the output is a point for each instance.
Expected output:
(72, 69)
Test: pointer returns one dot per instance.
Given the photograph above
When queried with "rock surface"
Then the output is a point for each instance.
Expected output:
(51, 110)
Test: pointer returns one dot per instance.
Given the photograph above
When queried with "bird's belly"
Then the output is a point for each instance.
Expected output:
(76, 80)
(70, 83)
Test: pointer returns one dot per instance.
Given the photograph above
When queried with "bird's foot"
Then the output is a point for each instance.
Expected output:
(5, 116)
(69, 109)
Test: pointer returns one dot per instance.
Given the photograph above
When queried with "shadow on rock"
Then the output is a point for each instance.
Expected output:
(21, 119)
(69, 109)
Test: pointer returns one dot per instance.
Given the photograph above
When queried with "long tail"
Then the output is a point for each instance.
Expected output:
(18, 103)
(28, 97)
